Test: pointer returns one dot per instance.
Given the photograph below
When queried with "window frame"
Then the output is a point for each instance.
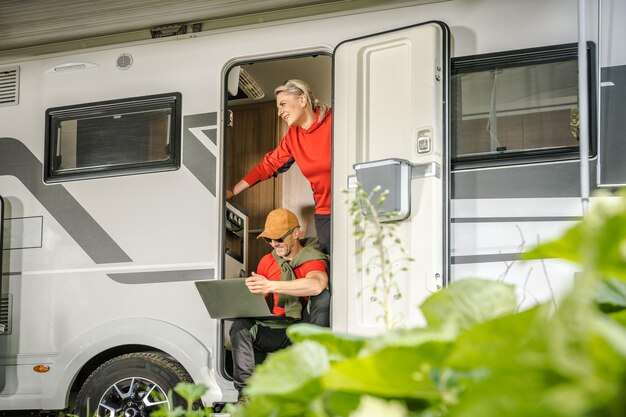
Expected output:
(56, 115)
(520, 58)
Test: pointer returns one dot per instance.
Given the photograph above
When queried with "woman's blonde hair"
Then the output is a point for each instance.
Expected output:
(299, 87)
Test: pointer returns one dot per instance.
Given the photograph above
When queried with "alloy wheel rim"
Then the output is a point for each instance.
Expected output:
(132, 397)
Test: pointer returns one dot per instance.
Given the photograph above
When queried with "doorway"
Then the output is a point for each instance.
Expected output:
(253, 129)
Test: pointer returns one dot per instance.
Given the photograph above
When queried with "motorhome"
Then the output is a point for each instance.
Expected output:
(114, 161)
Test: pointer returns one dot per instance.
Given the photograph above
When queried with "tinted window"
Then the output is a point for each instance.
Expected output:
(113, 138)
(521, 104)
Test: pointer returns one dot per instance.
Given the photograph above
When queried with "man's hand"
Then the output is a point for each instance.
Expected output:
(258, 284)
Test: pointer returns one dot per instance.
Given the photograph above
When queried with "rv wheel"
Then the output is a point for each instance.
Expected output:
(135, 384)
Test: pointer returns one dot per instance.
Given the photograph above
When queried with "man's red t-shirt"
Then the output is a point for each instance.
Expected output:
(269, 268)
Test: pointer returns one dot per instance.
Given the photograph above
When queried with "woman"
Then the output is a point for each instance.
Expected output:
(308, 143)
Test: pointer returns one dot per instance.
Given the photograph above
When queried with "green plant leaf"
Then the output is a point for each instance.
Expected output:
(610, 295)
(371, 406)
(605, 237)
(341, 403)
(567, 247)
(614, 335)
(293, 372)
(619, 317)
(190, 392)
(165, 412)
(598, 242)
(408, 337)
(512, 342)
(198, 413)
(263, 406)
(583, 357)
(339, 346)
(391, 372)
(468, 302)
(521, 393)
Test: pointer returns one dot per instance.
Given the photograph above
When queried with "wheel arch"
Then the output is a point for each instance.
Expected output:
(92, 364)
(97, 345)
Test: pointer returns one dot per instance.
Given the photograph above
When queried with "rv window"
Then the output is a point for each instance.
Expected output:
(515, 106)
(129, 136)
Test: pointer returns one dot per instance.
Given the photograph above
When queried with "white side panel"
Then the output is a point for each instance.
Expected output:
(487, 236)
(389, 91)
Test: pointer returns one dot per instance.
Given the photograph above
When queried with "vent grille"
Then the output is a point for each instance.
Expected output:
(248, 85)
(5, 313)
(124, 61)
(9, 82)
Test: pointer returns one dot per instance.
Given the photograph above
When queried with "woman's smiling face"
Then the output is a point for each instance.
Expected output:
(291, 108)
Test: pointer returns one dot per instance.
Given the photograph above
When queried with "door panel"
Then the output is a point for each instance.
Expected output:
(1, 235)
(2, 326)
(389, 96)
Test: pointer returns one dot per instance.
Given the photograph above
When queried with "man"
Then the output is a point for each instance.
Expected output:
(292, 272)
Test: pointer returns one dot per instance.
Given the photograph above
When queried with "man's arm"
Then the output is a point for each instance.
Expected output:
(313, 283)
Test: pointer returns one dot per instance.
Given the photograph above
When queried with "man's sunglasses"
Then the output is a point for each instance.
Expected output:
(280, 239)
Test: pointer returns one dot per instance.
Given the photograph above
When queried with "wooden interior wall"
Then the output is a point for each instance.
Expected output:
(252, 135)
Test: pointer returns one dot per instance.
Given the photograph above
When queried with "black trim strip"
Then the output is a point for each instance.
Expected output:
(528, 56)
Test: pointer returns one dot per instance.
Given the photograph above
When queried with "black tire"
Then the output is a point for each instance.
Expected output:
(133, 384)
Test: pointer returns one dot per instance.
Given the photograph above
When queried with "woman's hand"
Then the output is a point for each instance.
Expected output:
(239, 187)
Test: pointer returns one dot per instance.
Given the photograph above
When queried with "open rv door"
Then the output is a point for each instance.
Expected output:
(390, 120)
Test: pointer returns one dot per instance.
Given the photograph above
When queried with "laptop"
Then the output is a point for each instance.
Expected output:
(231, 299)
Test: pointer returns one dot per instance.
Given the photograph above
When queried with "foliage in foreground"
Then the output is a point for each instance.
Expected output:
(478, 355)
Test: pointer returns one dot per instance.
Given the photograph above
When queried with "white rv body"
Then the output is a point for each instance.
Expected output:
(74, 300)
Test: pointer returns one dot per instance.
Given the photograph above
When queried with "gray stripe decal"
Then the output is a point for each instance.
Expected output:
(479, 259)
(17, 160)
(613, 126)
(196, 157)
(211, 134)
(516, 219)
(523, 181)
(200, 119)
(162, 276)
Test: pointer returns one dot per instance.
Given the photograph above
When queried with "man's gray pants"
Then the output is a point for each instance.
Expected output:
(248, 336)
